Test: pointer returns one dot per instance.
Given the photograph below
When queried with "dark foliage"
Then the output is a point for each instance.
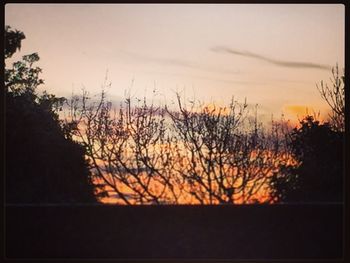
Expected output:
(42, 165)
(318, 178)
(13, 41)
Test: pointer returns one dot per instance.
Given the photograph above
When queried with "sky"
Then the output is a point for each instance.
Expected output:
(271, 54)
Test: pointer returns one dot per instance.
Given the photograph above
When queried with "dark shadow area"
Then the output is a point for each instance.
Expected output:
(307, 231)
(42, 166)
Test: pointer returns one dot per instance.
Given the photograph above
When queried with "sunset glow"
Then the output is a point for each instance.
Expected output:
(185, 103)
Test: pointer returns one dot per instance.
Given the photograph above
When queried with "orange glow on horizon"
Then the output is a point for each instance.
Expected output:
(262, 195)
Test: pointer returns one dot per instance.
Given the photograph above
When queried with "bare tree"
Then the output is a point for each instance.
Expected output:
(334, 95)
(128, 149)
(220, 160)
(145, 154)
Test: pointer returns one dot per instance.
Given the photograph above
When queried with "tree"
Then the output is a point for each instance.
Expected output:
(13, 41)
(42, 164)
(128, 149)
(334, 95)
(318, 149)
(225, 157)
(318, 177)
(145, 154)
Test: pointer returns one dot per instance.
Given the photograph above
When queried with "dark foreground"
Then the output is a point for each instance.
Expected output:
(174, 232)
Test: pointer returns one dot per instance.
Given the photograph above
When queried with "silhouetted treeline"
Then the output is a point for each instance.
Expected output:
(42, 164)
(147, 154)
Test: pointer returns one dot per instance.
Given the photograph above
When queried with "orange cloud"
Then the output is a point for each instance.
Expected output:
(299, 110)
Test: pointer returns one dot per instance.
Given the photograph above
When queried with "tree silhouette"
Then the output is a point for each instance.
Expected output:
(225, 158)
(318, 177)
(13, 41)
(128, 149)
(334, 95)
(145, 154)
(42, 164)
(318, 148)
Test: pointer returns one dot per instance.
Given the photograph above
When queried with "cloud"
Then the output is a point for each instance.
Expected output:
(205, 77)
(281, 63)
(176, 62)
(299, 110)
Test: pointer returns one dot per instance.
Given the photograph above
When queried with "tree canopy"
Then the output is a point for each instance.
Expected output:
(319, 150)
(42, 164)
(319, 177)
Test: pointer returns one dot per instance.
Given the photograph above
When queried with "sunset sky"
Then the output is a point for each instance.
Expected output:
(272, 55)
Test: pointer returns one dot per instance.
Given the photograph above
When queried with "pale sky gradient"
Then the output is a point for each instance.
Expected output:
(271, 54)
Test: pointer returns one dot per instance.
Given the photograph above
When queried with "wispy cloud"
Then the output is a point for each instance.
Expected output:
(177, 62)
(281, 63)
(205, 78)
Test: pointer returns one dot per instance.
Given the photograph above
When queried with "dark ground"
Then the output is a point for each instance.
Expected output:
(212, 232)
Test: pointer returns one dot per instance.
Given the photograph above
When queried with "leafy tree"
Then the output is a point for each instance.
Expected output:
(13, 41)
(318, 148)
(318, 178)
(42, 164)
